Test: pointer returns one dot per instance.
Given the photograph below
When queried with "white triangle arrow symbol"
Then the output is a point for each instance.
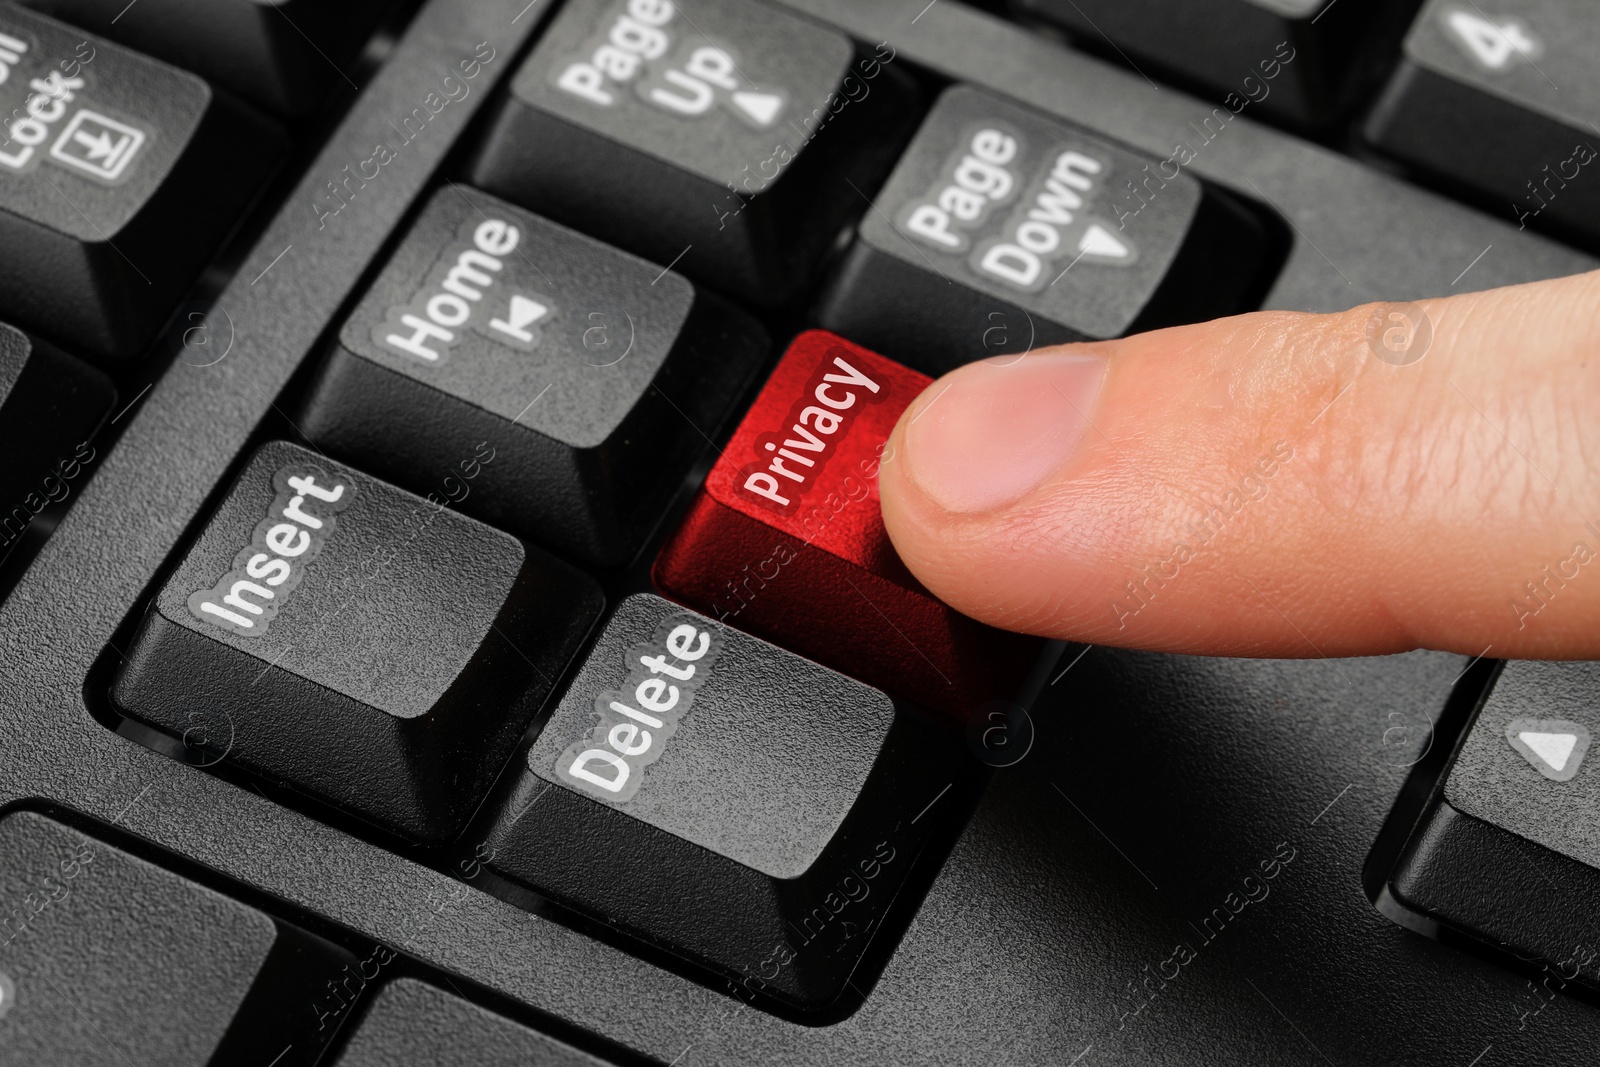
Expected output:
(1099, 241)
(761, 107)
(1554, 749)
(524, 312)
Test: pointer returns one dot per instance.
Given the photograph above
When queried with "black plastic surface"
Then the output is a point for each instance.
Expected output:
(411, 1022)
(1295, 56)
(283, 55)
(50, 406)
(108, 959)
(1507, 851)
(1551, 803)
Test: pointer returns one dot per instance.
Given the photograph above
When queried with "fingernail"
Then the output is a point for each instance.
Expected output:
(994, 433)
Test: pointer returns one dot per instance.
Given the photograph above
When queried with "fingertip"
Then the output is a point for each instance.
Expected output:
(974, 444)
(1272, 484)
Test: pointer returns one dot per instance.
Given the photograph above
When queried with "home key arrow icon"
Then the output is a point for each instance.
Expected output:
(524, 312)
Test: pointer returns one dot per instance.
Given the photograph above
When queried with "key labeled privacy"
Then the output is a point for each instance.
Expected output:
(786, 540)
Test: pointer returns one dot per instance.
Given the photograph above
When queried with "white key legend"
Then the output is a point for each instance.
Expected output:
(98, 146)
(1554, 747)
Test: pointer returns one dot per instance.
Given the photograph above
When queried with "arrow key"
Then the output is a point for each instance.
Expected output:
(1505, 847)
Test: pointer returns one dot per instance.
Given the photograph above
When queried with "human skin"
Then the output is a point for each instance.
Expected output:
(1276, 484)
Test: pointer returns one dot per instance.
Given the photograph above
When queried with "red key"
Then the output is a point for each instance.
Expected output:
(786, 542)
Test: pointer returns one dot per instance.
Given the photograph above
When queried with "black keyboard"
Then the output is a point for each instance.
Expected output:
(408, 652)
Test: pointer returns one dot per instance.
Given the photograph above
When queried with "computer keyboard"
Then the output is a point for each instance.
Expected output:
(413, 1022)
(446, 615)
(101, 942)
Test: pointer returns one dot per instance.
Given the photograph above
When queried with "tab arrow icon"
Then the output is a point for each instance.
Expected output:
(100, 146)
